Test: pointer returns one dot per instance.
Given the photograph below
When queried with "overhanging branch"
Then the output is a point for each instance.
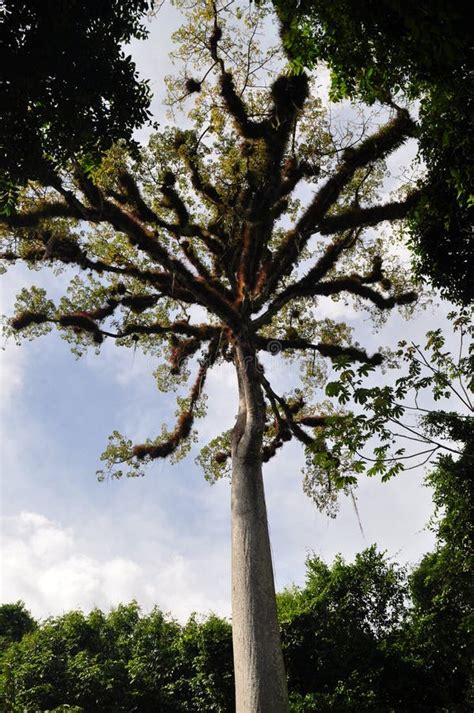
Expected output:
(364, 217)
(333, 351)
(32, 218)
(182, 431)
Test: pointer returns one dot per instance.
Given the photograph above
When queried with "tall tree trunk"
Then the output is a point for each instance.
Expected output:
(260, 681)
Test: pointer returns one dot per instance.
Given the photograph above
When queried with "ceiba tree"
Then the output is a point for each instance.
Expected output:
(203, 252)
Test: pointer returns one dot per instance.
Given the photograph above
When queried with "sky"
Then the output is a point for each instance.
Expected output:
(69, 541)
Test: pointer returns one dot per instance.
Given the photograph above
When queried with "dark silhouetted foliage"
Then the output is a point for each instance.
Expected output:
(67, 85)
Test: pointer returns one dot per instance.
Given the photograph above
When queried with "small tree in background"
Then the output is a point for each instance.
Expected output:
(15, 622)
(200, 252)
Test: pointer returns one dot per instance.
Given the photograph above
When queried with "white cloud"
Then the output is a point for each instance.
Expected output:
(45, 565)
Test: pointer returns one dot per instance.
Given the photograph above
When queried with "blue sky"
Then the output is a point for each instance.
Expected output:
(70, 541)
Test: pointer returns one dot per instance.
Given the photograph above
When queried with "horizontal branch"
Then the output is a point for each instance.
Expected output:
(333, 351)
(356, 287)
(201, 331)
(358, 217)
(328, 259)
(314, 421)
(284, 434)
(209, 296)
(67, 251)
(132, 192)
(184, 228)
(311, 286)
(288, 410)
(32, 218)
(143, 238)
(373, 148)
(192, 256)
(293, 172)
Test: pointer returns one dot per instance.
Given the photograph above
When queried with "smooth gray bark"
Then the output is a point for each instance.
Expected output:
(260, 680)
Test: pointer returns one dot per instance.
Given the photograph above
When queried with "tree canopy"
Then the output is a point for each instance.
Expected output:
(120, 661)
(15, 622)
(442, 585)
(208, 218)
(377, 51)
